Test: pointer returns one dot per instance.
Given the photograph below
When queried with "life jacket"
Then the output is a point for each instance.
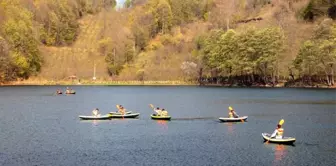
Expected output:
(230, 115)
(280, 132)
(95, 112)
(122, 111)
(159, 112)
(164, 113)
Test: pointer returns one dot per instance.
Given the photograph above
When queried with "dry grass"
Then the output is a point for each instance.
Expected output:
(164, 63)
(78, 59)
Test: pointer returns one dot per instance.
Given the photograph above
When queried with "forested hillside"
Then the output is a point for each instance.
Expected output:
(228, 42)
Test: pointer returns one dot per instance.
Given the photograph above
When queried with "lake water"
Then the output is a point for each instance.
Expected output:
(38, 128)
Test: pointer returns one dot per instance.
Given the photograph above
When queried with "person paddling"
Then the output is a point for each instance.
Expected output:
(95, 112)
(278, 132)
(232, 113)
(164, 112)
(158, 111)
(121, 109)
(67, 90)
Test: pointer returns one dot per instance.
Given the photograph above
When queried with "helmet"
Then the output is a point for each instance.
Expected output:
(230, 108)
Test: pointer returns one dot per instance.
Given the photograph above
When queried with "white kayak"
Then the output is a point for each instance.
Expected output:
(239, 119)
(130, 115)
(98, 117)
(118, 113)
(284, 140)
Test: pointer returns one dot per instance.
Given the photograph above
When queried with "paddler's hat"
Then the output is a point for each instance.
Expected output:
(230, 108)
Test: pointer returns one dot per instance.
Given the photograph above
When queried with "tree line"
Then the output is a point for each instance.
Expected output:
(222, 55)
(255, 56)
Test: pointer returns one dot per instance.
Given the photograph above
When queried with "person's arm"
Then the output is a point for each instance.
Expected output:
(274, 133)
(235, 114)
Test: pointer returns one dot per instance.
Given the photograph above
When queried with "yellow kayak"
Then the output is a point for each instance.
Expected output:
(158, 117)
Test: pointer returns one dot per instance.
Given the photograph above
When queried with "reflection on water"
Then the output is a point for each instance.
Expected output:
(162, 124)
(280, 152)
(95, 121)
(230, 127)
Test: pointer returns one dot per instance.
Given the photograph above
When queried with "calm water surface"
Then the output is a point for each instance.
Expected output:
(38, 128)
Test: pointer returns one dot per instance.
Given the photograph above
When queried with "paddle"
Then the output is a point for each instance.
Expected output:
(118, 106)
(151, 105)
(238, 117)
(268, 140)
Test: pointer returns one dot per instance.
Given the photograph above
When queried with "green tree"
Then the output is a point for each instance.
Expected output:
(327, 57)
(128, 3)
(248, 53)
(318, 56)
(162, 14)
(18, 32)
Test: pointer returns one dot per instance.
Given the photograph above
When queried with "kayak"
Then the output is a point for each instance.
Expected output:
(59, 93)
(99, 117)
(239, 119)
(70, 92)
(118, 113)
(158, 117)
(130, 115)
(284, 140)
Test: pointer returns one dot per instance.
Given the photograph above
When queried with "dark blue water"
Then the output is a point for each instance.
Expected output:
(38, 128)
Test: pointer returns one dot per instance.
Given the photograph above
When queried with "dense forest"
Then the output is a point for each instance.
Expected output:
(224, 42)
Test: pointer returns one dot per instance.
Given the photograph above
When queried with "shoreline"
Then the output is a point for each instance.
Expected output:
(97, 83)
(146, 83)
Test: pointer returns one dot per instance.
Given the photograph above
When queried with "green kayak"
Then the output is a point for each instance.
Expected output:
(158, 117)
(130, 115)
